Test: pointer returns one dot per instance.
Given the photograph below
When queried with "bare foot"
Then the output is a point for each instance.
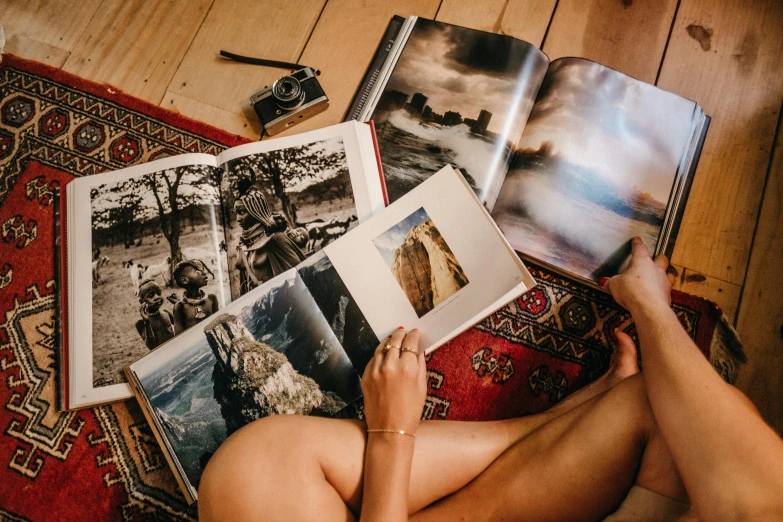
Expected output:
(622, 366)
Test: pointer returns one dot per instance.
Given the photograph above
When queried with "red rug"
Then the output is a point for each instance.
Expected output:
(103, 463)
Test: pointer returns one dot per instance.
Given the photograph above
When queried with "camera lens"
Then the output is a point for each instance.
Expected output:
(288, 92)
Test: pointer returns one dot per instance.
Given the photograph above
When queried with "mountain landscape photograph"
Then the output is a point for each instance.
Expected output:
(276, 354)
(340, 309)
(422, 263)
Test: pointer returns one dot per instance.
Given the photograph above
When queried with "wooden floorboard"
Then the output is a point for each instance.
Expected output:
(727, 56)
(343, 44)
(760, 318)
(166, 27)
(207, 86)
(45, 30)
(523, 19)
(726, 295)
(627, 36)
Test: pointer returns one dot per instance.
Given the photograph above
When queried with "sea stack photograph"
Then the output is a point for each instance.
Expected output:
(421, 262)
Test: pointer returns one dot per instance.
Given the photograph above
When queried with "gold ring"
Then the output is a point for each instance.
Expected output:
(388, 347)
(407, 349)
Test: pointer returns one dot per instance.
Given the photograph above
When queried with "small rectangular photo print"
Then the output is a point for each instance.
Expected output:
(421, 262)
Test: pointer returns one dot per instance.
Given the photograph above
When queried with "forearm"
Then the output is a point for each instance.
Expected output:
(387, 471)
(723, 449)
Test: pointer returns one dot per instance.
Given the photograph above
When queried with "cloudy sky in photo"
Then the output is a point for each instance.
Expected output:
(463, 70)
(619, 127)
(388, 242)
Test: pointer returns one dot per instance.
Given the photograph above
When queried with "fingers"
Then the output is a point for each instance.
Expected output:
(395, 341)
(661, 261)
(638, 249)
(411, 340)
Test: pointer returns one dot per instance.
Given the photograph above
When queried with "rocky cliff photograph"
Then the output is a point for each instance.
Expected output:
(421, 262)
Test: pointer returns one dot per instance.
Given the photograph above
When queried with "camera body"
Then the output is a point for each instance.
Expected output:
(290, 100)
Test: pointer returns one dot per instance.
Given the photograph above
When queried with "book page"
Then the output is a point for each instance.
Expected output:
(433, 260)
(128, 231)
(595, 167)
(456, 96)
(269, 352)
(285, 199)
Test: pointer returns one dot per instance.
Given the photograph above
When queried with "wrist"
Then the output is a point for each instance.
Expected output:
(650, 311)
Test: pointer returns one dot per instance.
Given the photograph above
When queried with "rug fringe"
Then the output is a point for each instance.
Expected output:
(726, 352)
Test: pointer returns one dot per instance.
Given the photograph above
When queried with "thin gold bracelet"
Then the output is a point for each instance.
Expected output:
(400, 432)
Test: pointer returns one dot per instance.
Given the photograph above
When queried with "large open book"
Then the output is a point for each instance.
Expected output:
(433, 260)
(151, 250)
(572, 158)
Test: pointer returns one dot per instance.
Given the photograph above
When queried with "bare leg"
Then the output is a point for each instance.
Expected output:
(580, 464)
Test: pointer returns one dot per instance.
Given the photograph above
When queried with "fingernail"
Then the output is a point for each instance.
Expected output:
(401, 328)
(602, 281)
(415, 330)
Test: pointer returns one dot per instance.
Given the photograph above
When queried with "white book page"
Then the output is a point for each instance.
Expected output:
(437, 238)
(82, 388)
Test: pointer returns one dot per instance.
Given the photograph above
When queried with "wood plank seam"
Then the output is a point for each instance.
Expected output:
(668, 39)
(312, 30)
(499, 22)
(775, 146)
(182, 58)
(549, 25)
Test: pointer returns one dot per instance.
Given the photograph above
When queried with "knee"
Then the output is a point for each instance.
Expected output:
(248, 463)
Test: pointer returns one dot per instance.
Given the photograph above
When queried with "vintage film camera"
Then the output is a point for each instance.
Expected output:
(290, 100)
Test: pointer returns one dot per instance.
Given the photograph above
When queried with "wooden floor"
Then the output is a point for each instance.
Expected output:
(725, 55)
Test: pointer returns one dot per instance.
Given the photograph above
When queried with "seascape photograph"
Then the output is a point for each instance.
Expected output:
(595, 167)
(456, 96)
(282, 206)
(422, 263)
(138, 239)
(290, 361)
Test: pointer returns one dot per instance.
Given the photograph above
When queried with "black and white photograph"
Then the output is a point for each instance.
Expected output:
(456, 96)
(422, 263)
(340, 309)
(595, 167)
(157, 263)
(284, 205)
(275, 355)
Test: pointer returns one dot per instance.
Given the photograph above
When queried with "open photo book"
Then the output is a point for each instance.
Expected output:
(148, 251)
(298, 343)
(573, 159)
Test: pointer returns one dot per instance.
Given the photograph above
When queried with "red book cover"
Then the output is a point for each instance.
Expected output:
(378, 160)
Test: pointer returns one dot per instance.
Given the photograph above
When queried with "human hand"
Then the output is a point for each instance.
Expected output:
(144, 312)
(395, 384)
(644, 283)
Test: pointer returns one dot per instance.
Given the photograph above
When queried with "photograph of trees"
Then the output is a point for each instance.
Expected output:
(141, 228)
(309, 186)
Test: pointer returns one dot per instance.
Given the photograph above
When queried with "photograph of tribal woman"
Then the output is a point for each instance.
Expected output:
(282, 206)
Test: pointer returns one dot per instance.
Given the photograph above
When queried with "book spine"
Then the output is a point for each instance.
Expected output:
(680, 211)
(370, 77)
(61, 283)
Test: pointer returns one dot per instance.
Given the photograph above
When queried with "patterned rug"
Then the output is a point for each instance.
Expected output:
(103, 463)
